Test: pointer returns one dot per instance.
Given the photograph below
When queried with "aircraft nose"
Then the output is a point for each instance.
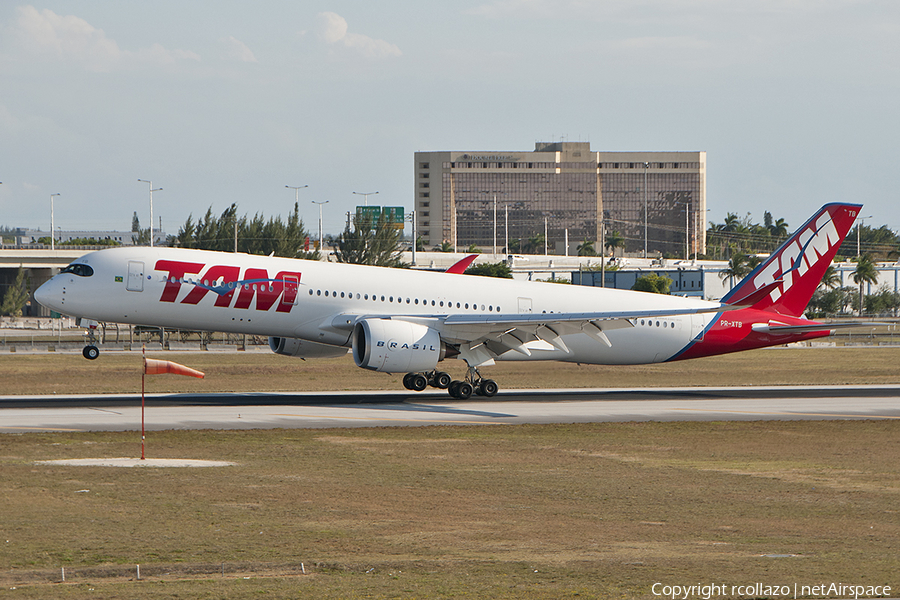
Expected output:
(48, 295)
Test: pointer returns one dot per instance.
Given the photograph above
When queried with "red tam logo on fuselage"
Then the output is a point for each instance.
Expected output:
(224, 280)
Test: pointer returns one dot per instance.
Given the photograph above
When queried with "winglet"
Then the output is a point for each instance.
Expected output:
(461, 265)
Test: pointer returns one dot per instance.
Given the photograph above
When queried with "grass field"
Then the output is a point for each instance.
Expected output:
(549, 511)
(240, 371)
(590, 511)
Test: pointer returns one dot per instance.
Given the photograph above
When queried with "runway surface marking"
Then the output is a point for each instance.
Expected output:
(788, 413)
(39, 428)
(385, 419)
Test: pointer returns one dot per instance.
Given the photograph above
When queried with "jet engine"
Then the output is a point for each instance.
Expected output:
(394, 346)
(304, 349)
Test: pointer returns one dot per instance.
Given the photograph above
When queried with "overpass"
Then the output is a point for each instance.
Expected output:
(40, 264)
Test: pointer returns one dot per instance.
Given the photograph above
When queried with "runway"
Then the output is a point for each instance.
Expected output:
(393, 409)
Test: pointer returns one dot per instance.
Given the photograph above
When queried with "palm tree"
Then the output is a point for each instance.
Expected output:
(614, 240)
(586, 248)
(779, 229)
(738, 268)
(865, 273)
(831, 279)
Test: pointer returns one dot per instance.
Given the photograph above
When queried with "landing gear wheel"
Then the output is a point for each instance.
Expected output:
(453, 387)
(464, 390)
(90, 352)
(488, 387)
(417, 382)
(442, 380)
(407, 380)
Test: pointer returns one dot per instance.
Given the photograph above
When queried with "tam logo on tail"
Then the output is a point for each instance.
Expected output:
(800, 262)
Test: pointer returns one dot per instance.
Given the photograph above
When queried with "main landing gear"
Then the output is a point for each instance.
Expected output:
(474, 383)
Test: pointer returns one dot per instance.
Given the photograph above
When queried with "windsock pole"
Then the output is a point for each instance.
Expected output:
(143, 376)
(156, 367)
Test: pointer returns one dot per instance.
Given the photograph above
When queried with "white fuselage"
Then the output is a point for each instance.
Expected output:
(311, 300)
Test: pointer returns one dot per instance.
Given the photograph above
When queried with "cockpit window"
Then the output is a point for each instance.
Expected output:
(78, 269)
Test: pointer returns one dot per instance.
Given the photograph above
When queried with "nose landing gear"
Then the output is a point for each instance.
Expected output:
(91, 351)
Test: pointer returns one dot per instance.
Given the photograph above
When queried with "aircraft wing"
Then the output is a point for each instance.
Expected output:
(483, 337)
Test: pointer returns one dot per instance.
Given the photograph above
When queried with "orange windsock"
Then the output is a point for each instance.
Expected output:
(157, 367)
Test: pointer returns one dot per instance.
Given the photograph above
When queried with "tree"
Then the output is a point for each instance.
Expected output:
(16, 295)
(255, 236)
(865, 272)
(534, 244)
(614, 240)
(738, 267)
(653, 283)
(370, 243)
(884, 301)
(140, 237)
(444, 247)
(586, 248)
(831, 279)
(473, 249)
(500, 269)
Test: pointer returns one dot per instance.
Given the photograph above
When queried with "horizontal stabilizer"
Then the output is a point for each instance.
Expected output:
(775, 329)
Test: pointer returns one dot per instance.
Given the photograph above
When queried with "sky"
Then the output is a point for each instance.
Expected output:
(221, 102)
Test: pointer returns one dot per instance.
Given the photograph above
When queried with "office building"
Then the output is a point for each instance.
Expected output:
(567, 191)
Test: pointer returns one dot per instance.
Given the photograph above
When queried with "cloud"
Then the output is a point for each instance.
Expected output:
(237, 50)
(72, 39)
(333, 30)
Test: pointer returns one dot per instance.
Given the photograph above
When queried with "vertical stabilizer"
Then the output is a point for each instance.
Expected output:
(799, 264)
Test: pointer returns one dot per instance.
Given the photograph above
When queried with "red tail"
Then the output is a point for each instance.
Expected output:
(799, 264)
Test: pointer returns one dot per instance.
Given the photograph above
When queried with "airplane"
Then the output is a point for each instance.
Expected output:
(406, 321)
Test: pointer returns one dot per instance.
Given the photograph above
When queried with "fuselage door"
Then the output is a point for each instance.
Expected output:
(135, 282)
(291, 285)
(697, 327)
(525, 306)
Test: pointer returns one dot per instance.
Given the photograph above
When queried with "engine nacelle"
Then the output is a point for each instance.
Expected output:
(304, 349)
(392, 346)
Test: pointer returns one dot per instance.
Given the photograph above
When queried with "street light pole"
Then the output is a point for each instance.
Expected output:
(858, 227)
(320, 220)
(495, 226)
(52, 234)
(366, 195)
(646, 166)
(545, 236)
(506, 226)
(151, 207)
(296, 191)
